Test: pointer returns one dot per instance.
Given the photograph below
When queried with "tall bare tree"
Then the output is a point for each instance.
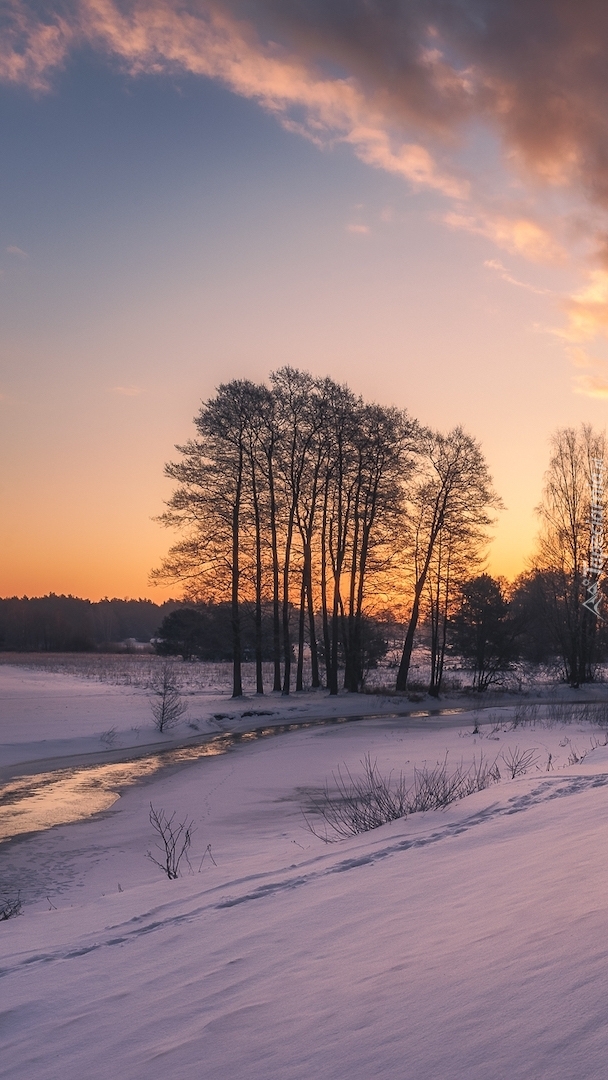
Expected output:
(307, 520)
(383, 441)
(269, 445)
(564, 547)
(459, 554)
(453, 490)
(253, 406)
(300, 420)
(342, 409)
(208, 504)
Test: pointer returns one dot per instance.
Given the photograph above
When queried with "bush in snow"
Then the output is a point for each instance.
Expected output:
(436, 788)
(174, 842)
(519, 761)
(10, 906)
(359, 804)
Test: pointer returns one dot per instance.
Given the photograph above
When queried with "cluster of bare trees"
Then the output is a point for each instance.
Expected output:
(301, 498)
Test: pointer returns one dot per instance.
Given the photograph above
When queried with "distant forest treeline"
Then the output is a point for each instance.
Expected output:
(68, 624)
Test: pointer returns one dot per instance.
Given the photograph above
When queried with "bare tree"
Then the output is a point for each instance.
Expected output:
(342, 409)
(167, 705)
(564, 548)
(254, 405)
(382, 465)
(452, 491)
(300, 419)
(175, 840)
(209, 505)
(306, 517)
(269, 443)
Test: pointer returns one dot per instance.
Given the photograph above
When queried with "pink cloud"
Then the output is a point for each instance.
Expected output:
(159, 36)
(518, 234)
(402, 85)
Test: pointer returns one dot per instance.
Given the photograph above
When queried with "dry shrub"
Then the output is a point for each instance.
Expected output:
(519, 761)
(175, 840)
(10, 906)
(360, 804)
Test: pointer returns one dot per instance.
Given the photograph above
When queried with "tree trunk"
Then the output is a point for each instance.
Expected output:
(324, 605)
(314, 652)
(259, 675)
(404, 666)
(237, 685)
(351, 682)
(286, 637)
(276, 618)
(301, 625)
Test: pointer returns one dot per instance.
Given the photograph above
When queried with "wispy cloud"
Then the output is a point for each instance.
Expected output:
(594, 380)
(413, 162)
(127, 391)
(595, 386)
(12, 250)
(400, 101)
(519, 235)
(32, 46)
(506, 275)
(587, 309)
(361, 229)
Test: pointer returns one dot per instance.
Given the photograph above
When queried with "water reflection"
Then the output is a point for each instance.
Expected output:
(35, 803)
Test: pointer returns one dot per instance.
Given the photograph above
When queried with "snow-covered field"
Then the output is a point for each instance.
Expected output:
(469, 942)
(47, 715)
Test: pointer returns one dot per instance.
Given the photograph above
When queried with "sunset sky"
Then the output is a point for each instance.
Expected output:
(411, 197)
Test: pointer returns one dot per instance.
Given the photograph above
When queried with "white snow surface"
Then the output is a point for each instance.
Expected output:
(46, 716)
(465, 943)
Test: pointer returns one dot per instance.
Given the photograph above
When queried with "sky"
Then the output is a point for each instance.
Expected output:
(408, 196)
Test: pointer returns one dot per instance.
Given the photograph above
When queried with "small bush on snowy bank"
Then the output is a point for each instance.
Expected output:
(174, 843)
(560, 712)
(10, 906)
(363, 803)
(360, 803)
(434, 789)
(519, 761)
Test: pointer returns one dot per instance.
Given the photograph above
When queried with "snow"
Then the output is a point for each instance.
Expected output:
(51, 716)
(461, 943)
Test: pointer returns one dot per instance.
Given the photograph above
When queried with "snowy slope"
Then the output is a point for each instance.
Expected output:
(468, 943)
(478, 951)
